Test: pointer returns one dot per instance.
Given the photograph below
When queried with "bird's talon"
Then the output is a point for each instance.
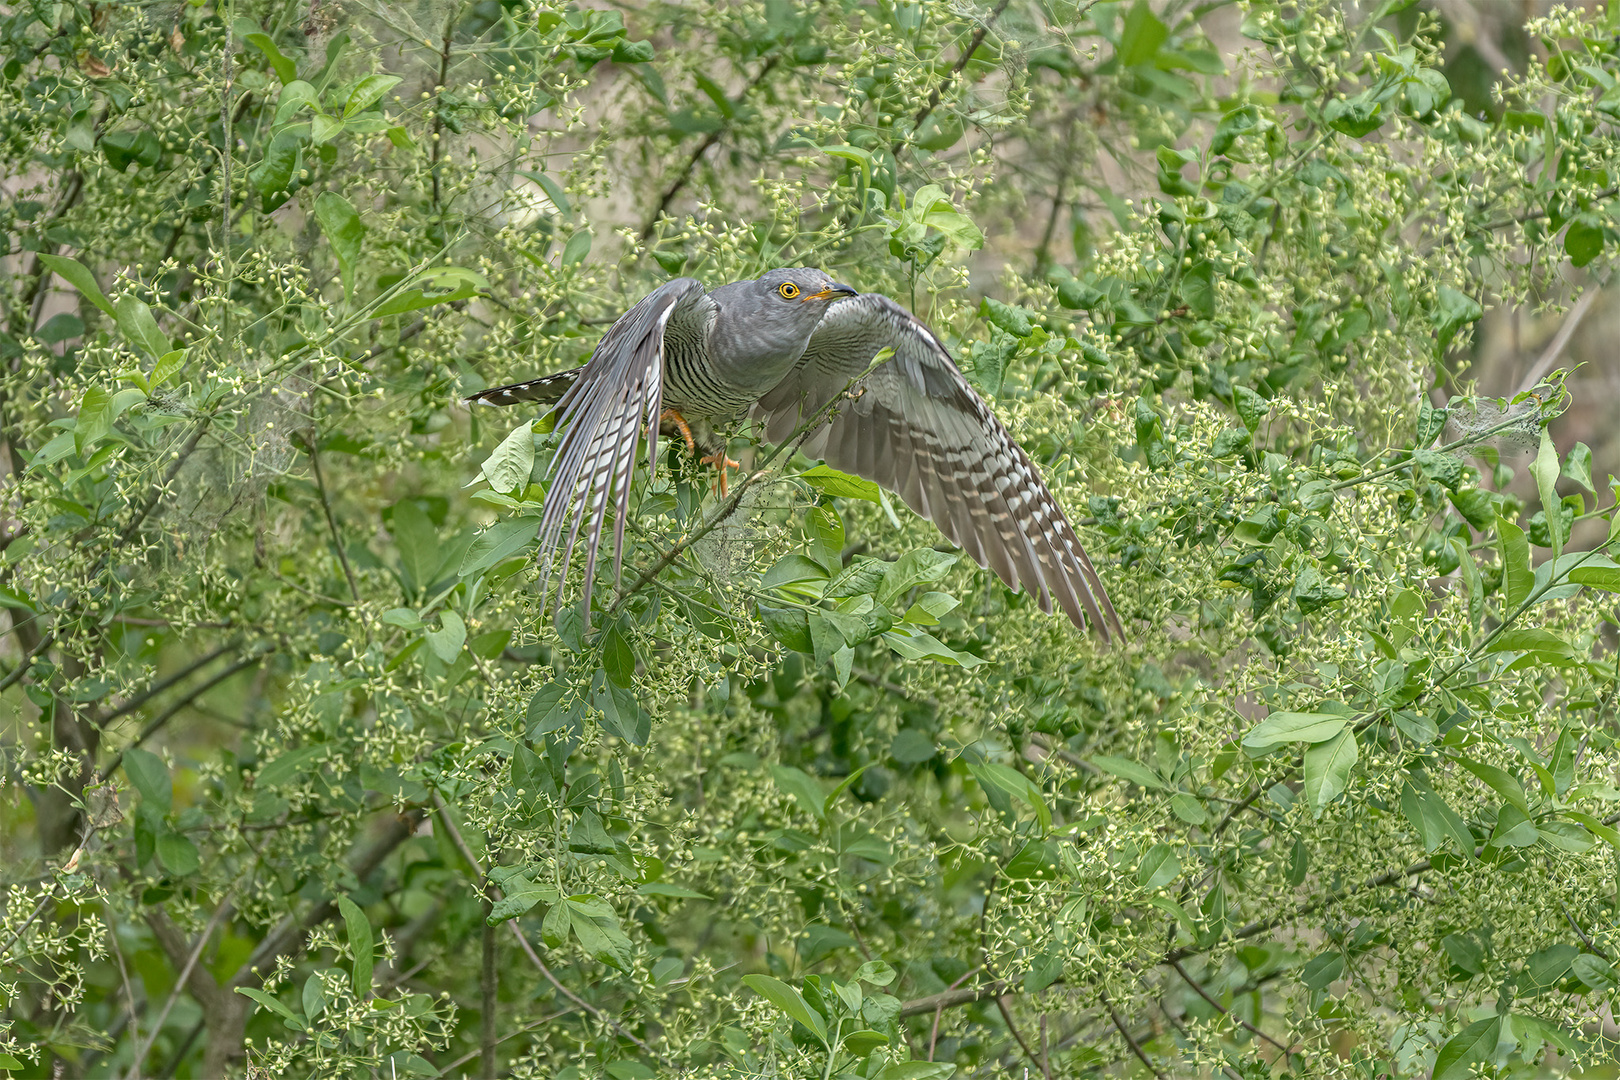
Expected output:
(720, 461)
(680, 425)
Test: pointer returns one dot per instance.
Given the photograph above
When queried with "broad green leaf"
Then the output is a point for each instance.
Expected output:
(498, 543)
(269, 1001)
(274, 171)
(344, 232)
(1578, 466)
(139, 328)
(359, 932)
(1327, 769)
(150, 777)
(1286, 727)
(287, 766)
(916, 645)
(178, 854)
(805, 789)
(447, 640)
(664, 888)
(462, 284)
(1158, 868)
(80, 277)
(1598, 577)
(577, 248)
(1474, 1045)
(918, 1070)
(840, 484)
(1014, 783)
(790, 1001)
(520, 894)
(843, 786)
(876, 972)
(286, 71)
(1545, 470)
(1517, 577)
(1126, 769)
(367, 92)
(95, 418)
(1503, 783)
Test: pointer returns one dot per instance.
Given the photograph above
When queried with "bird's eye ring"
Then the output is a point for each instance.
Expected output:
(788, 290)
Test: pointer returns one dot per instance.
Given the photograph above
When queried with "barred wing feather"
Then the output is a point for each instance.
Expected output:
(602, 412)
(916, 427)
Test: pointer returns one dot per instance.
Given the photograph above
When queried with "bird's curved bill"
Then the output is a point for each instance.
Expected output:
(831, 292)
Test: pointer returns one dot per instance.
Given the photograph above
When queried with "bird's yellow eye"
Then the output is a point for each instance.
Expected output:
(788, 290)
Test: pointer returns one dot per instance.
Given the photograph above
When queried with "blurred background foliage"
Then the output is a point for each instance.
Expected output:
(301, 780)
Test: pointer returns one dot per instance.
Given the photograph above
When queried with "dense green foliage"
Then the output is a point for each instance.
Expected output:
(302, 779)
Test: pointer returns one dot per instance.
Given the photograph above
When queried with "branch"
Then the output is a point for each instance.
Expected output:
(331, 521)
(168, 714)
(962, 62)
(703, 148)
(1130, 1040)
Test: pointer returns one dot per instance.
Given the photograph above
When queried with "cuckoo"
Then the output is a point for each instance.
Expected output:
(779, 349)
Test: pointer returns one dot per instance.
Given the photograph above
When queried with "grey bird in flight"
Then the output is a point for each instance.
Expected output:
(779, 348)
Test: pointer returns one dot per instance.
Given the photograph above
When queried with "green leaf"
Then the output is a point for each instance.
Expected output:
(1452, 311)
(1578, 466)
(95, 418)
(269, 1001)
(1015, 320)
(285, 69)
(1144, 32)
(876, 972)
(344, 232)
(1598, 577)
(1583, 240)
(1014, 783)
(664, 888)
(832, 482)
(359, 930)
(556, 926)
(918, 1070)
(922, 566)
(274, 171)
(498, 543)
(139, 328)
(1327, 769)
(861, 1043)
(577, 248)
(520, 894)
(462, 284)
(805, 789)
(1158, 868)
(916, 645)
(1517, 577)
(790, 1001)
(367, 92)
(447, 640)
(1286, 727)
(1545, 470)
(1532, 640)
(178, 854)
(1474, 1045)
(80, 277)
(287, 766)
(1503, 783)
(1126, 769)
(150, 777)
(843, 786)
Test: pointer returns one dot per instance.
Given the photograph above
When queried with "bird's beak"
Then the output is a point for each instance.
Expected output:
(834, 291)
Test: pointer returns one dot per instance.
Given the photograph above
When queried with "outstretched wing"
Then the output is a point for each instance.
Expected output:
(601, 415)
(547, 389)
(916, 427)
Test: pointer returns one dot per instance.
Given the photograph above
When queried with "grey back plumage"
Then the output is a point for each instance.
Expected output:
(913, 424)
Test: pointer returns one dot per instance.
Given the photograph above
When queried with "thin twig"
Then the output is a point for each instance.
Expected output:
(1130, 1040)
(962, 62)
(534, 957)
(1006, 1015)
(168, 714)
(180, 983)
(1560, 340)
(331, 521)
(1197, 988)
(708, 142)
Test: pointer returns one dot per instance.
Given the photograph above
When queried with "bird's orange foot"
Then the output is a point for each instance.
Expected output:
(719, 460)
(680, 425)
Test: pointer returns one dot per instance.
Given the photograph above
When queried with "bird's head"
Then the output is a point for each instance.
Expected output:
(766, 322)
